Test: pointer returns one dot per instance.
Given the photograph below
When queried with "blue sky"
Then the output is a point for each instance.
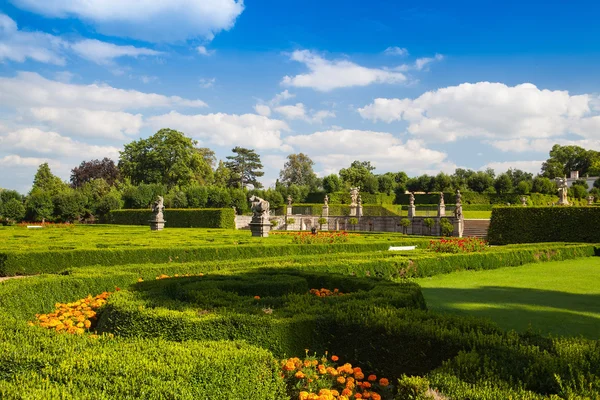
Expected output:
(418, 88)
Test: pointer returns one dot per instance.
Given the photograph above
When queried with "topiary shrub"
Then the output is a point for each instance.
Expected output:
(446, 227)
(429, 223)
(404, 223)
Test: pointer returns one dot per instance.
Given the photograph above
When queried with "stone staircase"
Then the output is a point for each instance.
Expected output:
(476, 228)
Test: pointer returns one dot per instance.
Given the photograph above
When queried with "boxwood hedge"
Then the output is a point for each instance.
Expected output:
(544, 224)
(177, 218)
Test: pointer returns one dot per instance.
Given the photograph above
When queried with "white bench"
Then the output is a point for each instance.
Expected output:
(401, 248)
(34, 227)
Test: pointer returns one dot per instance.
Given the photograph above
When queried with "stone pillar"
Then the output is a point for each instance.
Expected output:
(353, 208)
(260, 226)
(325, 212)
(288, 210)
(441, 206)
(412, 211)
(337, 224)
(459, 225)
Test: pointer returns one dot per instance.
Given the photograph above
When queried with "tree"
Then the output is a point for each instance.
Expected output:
(298, 170)
(357, 174)
(95, 169)
(168, 157)
(517, 176)
(524, 187)
(443, 182)
(461, 177)
(46, 181)
(13, 210)
(544, 185)
(245, 168)
(222, 175)
(503, 184)
(480, 181)
(39, 206)
(564, 159)
(69, 205)
(332, 183)
(386, 183)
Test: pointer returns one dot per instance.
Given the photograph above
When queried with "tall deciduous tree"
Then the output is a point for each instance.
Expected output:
(298, 170)
(46, 181)
(168, 157)
(358, 173)
(95, 169)
(245, 167)
(564, 159)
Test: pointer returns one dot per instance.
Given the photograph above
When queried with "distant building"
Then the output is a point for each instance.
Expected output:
(588, 179)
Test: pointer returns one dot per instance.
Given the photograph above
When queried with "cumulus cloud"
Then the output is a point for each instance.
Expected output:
(298, 111)
(533, 167)
(17, 45)
(206, 83)
(335, 149)
(89, 123)
(521, 145)
(262, 109)
(422, 63)
(396, 51)
(14, 160)
(29, 89)
(104, 53)
(202, 50)
(325, 75)
(489, 110)
(221, 129)
(51, 145)
(150, 20)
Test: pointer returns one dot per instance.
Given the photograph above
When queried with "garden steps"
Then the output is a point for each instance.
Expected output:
(476, 228)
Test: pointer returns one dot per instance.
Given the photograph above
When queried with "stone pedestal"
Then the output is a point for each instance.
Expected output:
(288, 210)
(441, 210)
(459, 224)
(157, 225)
(353, 209)
(260, 226)
(325, 212)
(412, 211)
(359, 211)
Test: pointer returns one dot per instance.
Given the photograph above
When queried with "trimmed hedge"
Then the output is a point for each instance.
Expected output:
(544, 224)
(56, 261)
(177, 218)
(344, 198)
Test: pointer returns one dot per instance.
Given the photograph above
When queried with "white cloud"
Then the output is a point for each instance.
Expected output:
(533, 167)
(14, 160)
(279, 97)
(104, 53)
(396, 51)
(521, 145)
(29, 89)
(298, 111)
(17, 45)
(151, 20)
(489, 110)
(421, 63)
(202, 50)
(262, 109)
(206, 83)
(327, 75)
(89, 123)
(335, 149)
(249, 130)
(52, 145)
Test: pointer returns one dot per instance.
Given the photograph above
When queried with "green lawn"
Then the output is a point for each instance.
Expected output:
(558, 298)
(477, 214)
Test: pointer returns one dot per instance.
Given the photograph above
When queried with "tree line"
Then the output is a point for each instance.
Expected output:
(172, 165)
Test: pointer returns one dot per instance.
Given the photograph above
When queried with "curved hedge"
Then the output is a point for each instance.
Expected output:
(544, 224)
(177, 218)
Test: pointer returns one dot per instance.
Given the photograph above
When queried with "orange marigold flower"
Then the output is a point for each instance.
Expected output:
(358, 396)
(334, 358)
(384, 382)
(372, 378)
(341, 380)
(257, 297)
(375, 396)
(300, 375)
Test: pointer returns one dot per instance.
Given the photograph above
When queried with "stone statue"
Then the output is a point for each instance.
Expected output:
(590, 200)
(354, 195)
(157, 221)
(523, 201)
(458, 212)
(411, 200)
(259, 207)
(442, 199)
(157, 208)
(289, 199)
(326, 200)
(562, 190)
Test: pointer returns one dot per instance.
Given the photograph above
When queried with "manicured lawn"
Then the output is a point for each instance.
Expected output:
(477, 214)
(558, 298)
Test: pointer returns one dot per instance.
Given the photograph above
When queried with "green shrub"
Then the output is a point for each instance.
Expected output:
(429, 223)
(39, 206)
(446, 227)
(413, 388)
(13, 210)
(69, 206)
(177, 218)
(544, 224)
(291, 221)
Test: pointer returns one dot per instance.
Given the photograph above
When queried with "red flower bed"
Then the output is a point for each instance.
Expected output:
(458, 245)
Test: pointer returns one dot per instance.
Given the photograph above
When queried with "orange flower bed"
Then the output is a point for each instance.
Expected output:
(323, 379)
(325, 292)
(75, 318)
